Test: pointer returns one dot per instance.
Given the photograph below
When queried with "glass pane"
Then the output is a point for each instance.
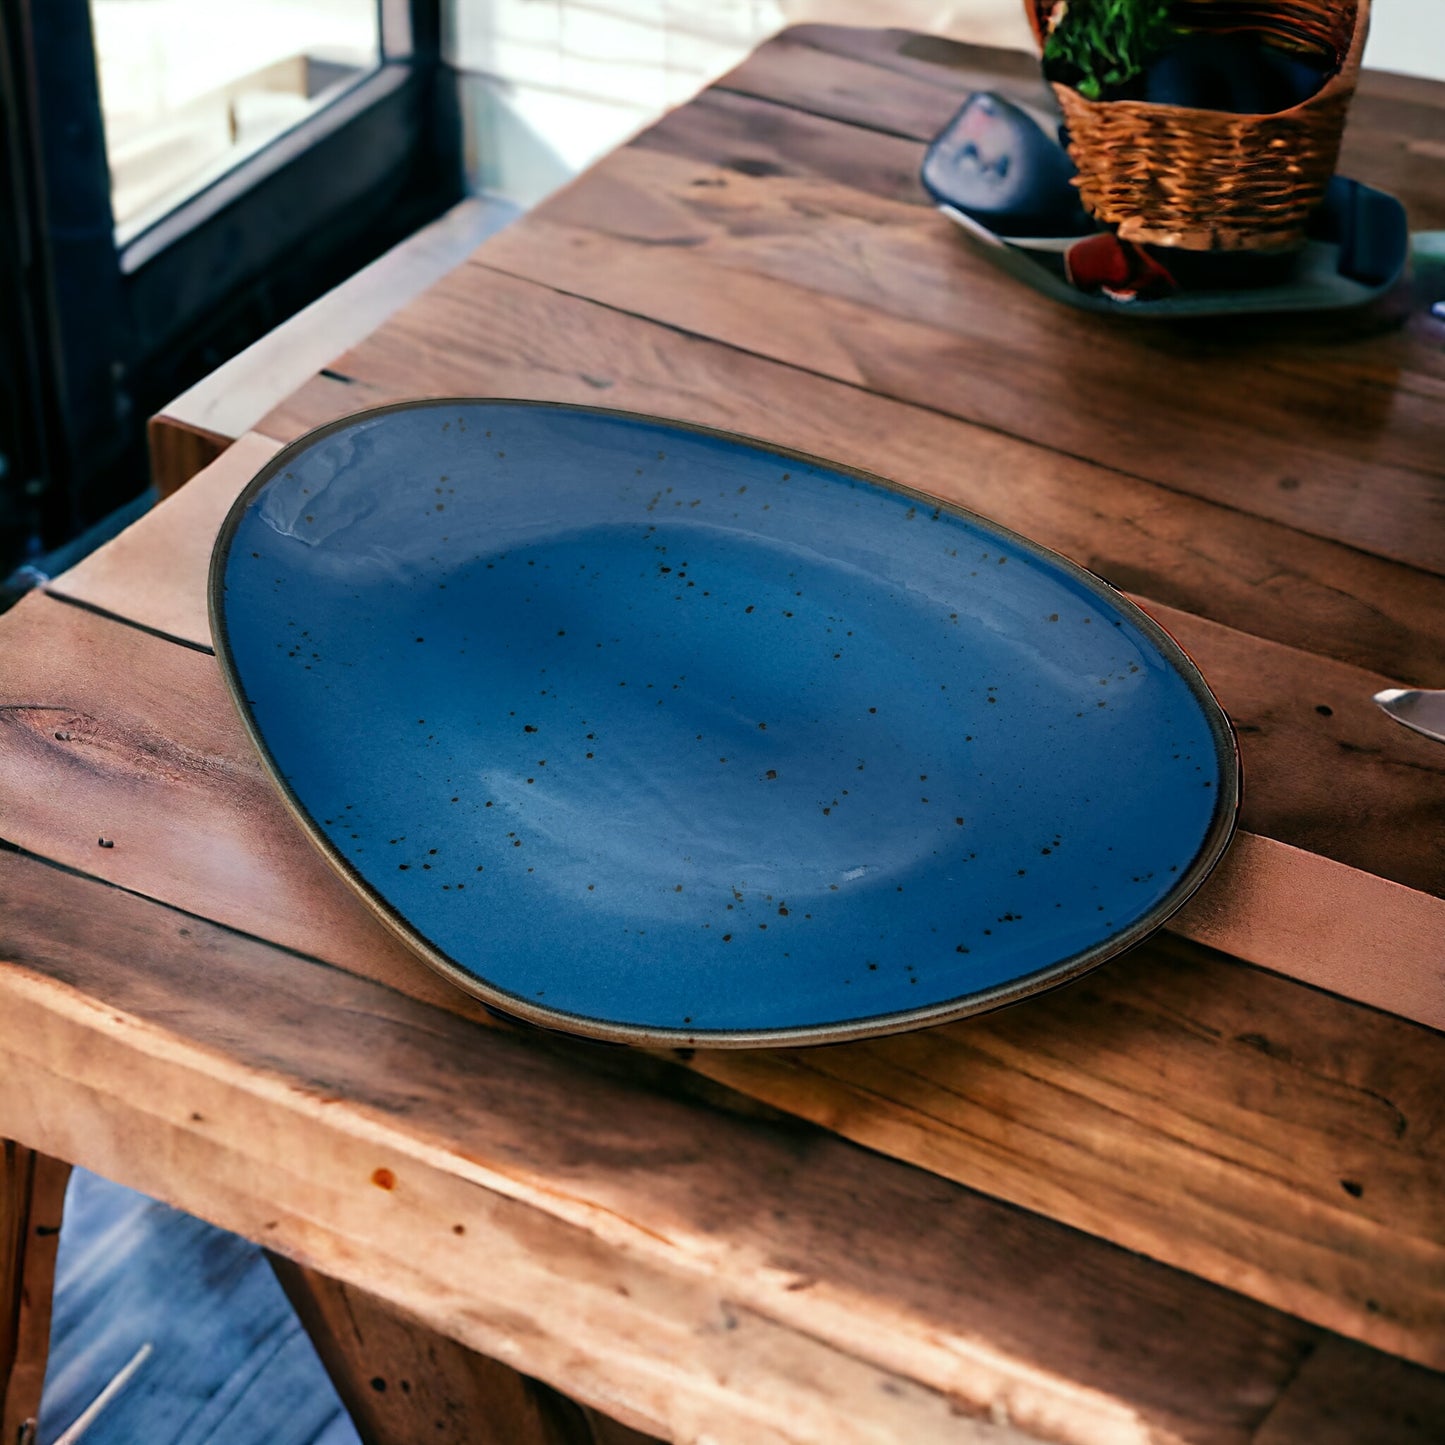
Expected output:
(190, 86)
(549, 85)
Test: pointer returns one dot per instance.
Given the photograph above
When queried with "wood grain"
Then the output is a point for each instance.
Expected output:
(145, 768)
(761, 138)
(1287, 443)
(1317, 921)
(1272, 904)
(32, 1201)
(1320, 1405)
(1323, 768)
(1393, 343)
(1099, 1085)
(955, 67)
(154, 573)
(228, 400)
(1396, 123)
(932, 59)
(178, 450)
(730, 258)
(686, 1271)
(1336, 781)
(764, 260)
(401, 1382)
(920, 271)
(1393, 118)
(818, 80)
(1217, 1109)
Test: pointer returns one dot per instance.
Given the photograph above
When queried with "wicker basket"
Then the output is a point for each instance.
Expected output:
(1206, 180)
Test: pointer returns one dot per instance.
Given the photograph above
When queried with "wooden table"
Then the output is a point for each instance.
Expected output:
(1198, 1196)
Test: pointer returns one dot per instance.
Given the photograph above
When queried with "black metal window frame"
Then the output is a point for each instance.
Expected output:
(126, 327)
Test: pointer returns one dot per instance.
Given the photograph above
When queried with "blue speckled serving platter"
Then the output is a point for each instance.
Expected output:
(655, 734)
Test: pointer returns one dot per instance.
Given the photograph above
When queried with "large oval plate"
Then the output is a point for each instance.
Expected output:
(651, 733)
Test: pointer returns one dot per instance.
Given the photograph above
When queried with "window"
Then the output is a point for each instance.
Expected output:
(181, 176)
(188, 87)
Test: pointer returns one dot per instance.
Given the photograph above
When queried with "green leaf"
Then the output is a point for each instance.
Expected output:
(1099, 44)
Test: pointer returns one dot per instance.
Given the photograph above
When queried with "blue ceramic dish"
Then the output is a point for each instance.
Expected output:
(650, 733)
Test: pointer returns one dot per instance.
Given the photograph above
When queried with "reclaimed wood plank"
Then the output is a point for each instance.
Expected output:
(1395, 139)
(1272, 904)
(1393, 119)
(746, 274)
(1129, 1043)
(932, 59)
(401, 1382)
(936, 264)
(226, 403)
(1361, 465)
(760, 138)
(155, 574)
(178, 450)
(1326, 925)
(1222, 1116)
(683, 1270)
(32, 1202)
(140, 771)
(1317, 1407)
(1320, 759)
(1387, 347)
(537, 342)
(938, 60)
(919, 269)
(820, 81)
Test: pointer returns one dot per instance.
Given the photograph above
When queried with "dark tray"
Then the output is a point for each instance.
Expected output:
(1357, 251)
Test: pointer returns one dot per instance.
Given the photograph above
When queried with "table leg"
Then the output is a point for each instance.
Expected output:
(32, 1199)
(402, 1382)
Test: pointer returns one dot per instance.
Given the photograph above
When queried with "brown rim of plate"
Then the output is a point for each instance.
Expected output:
(1212, 848)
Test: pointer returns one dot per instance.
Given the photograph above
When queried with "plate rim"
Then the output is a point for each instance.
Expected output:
(1215, 843)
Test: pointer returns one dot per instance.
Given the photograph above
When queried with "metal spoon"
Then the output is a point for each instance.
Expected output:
(1422, 709)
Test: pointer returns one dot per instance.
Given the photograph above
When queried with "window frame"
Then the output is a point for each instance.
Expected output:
(126, 327)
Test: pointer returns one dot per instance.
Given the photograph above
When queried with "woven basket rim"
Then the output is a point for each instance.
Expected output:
(1344, 79)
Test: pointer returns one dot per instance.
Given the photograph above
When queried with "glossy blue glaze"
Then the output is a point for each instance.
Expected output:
(642, 730)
